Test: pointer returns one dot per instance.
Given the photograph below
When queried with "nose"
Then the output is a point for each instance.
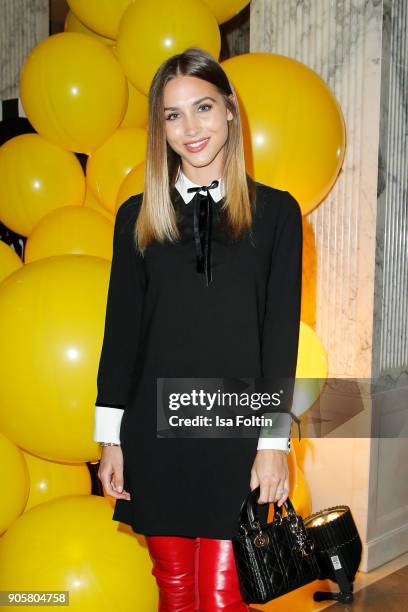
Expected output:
(191, 126)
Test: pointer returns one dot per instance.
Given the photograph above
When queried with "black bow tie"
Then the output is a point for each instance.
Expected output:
(203, 212)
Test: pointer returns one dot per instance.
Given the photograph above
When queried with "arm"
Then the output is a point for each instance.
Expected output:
(122, 326)
(282, 318)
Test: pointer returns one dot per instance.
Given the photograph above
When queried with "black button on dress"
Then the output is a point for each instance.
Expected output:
(163, 319)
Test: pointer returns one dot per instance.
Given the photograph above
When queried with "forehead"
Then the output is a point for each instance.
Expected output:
(185, 90)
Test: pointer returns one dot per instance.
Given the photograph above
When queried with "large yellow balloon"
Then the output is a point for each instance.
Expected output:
(52, 314)
(73, 91)
(101, 16)
(9, 261)
(71, 230)
(294, 129)
(132, 185)
(15, 482)
(311, 370)
(107, 167)
(49, 480)
(73, 24)
(312, 356)
(36, 177)
(92, 202)
(150, 32)
(72, 544)
(224, 10)
(300, 492)
(137, 108)
(309, 274)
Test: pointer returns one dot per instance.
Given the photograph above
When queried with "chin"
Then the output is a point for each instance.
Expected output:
(199, 162)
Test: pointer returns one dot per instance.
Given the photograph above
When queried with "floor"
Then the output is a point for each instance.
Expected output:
(384, 589)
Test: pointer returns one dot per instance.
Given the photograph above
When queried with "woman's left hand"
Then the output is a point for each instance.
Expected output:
(271, 473)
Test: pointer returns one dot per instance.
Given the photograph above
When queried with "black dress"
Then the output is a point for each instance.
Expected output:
(163, 320)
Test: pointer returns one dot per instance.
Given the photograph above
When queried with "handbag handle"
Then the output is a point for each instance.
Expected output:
(249, 509)
(249, 522)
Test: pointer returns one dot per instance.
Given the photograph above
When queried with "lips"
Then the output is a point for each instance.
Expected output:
(198, 146)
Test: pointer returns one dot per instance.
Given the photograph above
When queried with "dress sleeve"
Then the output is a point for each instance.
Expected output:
(280, 335)
(123, 318)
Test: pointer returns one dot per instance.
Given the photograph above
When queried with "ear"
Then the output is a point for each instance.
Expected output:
(230, 116)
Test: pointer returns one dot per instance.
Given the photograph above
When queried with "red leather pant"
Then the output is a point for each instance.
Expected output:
(195, 574)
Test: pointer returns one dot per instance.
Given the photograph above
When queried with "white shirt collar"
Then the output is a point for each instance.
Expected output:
(183, 183)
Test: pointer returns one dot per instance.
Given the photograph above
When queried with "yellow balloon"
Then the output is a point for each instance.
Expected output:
(36, 177)
(71, 230)
(52, 314)
(312, 356)
(311, 370)
(151, 32)
(92, 202)
(300, 493)
(309, 274)
(294, 132)
(132, 185)
(73, 24)
(75, 103)
(224, 10)
(9, 261)
(49, 480)
(137, 108)
(15, 482)
(72, 544)
(101, 16)
(107, 167)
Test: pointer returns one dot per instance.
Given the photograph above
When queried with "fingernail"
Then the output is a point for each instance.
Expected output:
(119, 489)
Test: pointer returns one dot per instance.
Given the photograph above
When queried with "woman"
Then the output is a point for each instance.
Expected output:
(205, 282)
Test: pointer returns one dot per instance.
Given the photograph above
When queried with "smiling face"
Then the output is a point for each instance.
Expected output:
(195, 112)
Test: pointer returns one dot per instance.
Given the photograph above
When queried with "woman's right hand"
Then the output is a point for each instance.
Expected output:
(110, 472)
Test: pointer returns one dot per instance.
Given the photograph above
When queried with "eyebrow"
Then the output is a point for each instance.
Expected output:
(194, 103)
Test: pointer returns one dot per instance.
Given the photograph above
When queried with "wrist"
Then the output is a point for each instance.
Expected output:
(276, 450)
(103, 444)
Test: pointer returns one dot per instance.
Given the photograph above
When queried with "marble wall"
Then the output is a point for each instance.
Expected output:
(359, 47)
(390, 338)
(341, 41)
(235, 35)
(22, 26)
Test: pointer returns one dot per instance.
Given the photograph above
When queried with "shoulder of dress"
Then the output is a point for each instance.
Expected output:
(132, 203)
(276, 199)
(129, 209)
(266, 190)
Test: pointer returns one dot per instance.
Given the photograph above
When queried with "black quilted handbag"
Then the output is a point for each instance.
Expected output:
(274, 558)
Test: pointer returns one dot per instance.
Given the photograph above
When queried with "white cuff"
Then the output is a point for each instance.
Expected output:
(274, 443)
(107, 424)
(281, 429)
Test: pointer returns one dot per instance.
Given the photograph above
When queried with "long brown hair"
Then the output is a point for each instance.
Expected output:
(157, 218)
